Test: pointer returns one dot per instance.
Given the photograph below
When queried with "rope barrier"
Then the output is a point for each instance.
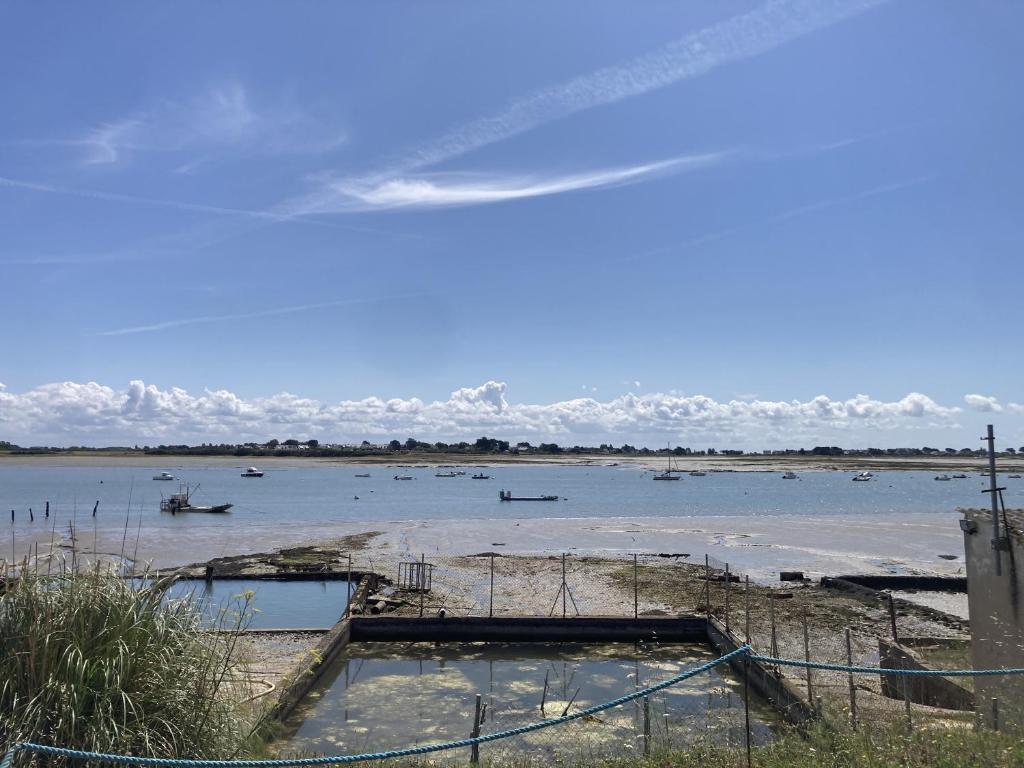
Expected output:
(168, 762)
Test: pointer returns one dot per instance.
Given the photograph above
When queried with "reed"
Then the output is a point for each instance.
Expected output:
(95, 662)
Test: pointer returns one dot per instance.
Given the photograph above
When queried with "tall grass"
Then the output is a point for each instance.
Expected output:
(91, 661)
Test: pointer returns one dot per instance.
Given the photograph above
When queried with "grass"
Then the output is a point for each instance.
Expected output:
(91, 661)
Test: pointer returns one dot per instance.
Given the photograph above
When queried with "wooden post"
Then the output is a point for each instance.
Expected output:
(636, 590)
(423, 581)
(563, 585)
(853, 689)
(351, 592)
(746, 607)
(490, 609)
(892, 619)
(771, 618)
(746, 697)
(807, 658)
(995, 714)
(474, 755)
(728, 584)
(647, 725)
(906, 702)
(707, 586)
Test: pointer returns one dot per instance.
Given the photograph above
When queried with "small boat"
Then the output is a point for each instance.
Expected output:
(362, 474)
(790, 476)
(507, 496)
(863, 477)
(403, 477)
(698, 473)
(163, 476)
(446, 474)
(960, 476)
(669, 473)
(181, 502)
(481, 476)
(1014, 477)
(252, 472)
(943, 478)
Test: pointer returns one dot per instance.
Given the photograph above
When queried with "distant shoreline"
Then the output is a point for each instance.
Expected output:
(746, 463)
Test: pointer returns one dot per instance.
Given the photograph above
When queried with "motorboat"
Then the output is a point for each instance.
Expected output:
(403, 477)
(790, 476)
(943, 478)
(252, 472)
(1014, 477)
(960, 476)
(362, 474)
(698, 473)
(481, 476)
(863, 477)
(446, 474)
(181, 502)
(163, 476)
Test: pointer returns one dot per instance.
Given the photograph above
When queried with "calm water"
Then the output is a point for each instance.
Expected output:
(276, 604)
(384, 695)
(314, 494)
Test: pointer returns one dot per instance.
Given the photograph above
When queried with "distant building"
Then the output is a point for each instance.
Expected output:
(996, 603)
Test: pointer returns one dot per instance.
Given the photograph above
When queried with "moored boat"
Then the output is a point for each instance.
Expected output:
(481, 476)
(362, 474)
(252, 472)
(943, 477)
(181, 502)
(163, 476)
(790, 476)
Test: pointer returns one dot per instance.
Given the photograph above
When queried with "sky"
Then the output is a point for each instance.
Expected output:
(743, 224)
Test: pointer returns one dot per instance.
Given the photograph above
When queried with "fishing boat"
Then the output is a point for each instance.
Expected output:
(790, 476)
(943, 478)
(252, 472)
(481, 476)
(163, 476)
(507, 496)
(181, 502)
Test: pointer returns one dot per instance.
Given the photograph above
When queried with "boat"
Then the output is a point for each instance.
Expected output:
(943, 477)
(960, 476)
(252, 472)
(790, 476)
(669, 473)
(163, 476)
(863, 477)
(181, 502)
(362, 474)
(481, 476)
(403, 477)
(507, 496)
(446, 474)
(1014, 477)
(698, 473)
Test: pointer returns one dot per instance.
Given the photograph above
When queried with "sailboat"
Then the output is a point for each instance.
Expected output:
(668, 473)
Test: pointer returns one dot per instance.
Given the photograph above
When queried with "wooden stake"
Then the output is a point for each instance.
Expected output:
(853, 689)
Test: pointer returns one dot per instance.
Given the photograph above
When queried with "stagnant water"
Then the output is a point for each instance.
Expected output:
(379, 696)
(272, 604)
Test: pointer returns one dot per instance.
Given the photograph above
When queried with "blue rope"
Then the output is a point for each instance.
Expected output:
(168, 762)
(884, 671)
(154, 762)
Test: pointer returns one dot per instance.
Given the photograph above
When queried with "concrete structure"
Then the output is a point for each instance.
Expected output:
(995, 590)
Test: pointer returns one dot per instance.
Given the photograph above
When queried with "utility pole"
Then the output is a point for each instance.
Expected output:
(993, 491)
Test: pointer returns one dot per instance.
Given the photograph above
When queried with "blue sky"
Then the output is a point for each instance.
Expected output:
(745, 201)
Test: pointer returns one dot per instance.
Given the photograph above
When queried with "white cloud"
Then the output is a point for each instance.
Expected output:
(71, 412)
(451, 189)
(983, 403)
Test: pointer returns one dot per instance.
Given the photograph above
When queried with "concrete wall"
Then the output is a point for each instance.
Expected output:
(930, 691)
(997, 615)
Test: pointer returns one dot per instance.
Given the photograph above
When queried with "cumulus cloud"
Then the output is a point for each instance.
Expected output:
(70, 412)
(983, 403)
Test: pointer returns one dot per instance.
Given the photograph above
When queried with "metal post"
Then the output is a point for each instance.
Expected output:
(746, 700)
(490, 610)
(771, 618)
(892, 618)
(563, 585)
(807, 658)
(746, 607)
(423, 581)
(992, 490)
(636, 591)
(728, 583)
(906, 701)
(474, 755)
(647, 725)
(995, 714)
(853, 689)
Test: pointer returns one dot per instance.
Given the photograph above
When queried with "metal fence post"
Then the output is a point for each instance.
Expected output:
(563, 585)
(746, 606)
(490, 609)
(707, 586)
(636, 590)
(807, 658)
(771, 618)
(853, 689)
(348, 603)
(647, 725)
